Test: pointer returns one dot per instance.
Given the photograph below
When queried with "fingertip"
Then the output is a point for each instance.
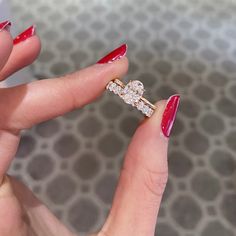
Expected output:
(6, 47)
(120, 66)
(103, 73)
(22, 54)
(164, 116)
(33, 47)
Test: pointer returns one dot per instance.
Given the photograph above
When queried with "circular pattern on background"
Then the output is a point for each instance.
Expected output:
(170, 52)
(83, 214)
(186, 212)
(223, 162)
(163, 67)
(111, 109)
(128, 125)
(182, 79)
(204, 92)
(40, 167)
(48, 129)
(230, 140)
(26, 146)
(164, 229)
(217, 229)
(217, 79)
(200, 185)
(179, 164)
(90, 126)
(105, 188)
(189, 108)
(86, 166)
(61, 189)
(212, 124)
(110, 144)
(228, 208)
(196, 143)
(226, 107)
(66, 145)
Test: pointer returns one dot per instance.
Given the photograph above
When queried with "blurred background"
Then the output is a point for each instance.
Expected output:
(175, 46)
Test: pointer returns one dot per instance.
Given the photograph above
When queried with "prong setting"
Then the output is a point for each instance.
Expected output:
(132, 94)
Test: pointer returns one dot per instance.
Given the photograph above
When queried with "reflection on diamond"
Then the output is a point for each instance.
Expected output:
(147, 110)
(112, 86)
(140, 105)
(132, 92)
(117, 89)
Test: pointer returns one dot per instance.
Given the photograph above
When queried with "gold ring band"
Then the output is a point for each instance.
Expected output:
(132, 93)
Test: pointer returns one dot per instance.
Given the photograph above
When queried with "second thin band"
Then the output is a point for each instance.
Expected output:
(132, 94)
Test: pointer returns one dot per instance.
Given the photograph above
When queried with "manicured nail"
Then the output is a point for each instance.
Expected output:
(25, 35)
(5, 25)
(116, 54)
(169, 114)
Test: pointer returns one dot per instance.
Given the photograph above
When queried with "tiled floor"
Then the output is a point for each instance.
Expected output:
(185, 46)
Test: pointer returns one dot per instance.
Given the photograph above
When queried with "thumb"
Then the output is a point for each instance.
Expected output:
(143, 176)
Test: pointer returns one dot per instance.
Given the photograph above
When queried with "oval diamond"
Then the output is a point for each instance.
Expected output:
(132, 92)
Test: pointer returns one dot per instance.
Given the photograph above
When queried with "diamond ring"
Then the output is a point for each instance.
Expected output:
(132, 93)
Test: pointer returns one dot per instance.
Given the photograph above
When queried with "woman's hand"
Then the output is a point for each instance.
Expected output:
(144, 173)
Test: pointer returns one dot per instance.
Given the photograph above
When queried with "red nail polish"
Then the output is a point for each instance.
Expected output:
(169, 114)
(5, 25)
(116, 54)
(25, 35)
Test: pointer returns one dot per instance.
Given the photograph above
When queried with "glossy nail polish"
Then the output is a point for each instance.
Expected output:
(116, 54)
(25, 35)
(169, 114)
(5, 25)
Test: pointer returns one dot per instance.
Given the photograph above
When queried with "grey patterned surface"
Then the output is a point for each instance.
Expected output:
(174, 46)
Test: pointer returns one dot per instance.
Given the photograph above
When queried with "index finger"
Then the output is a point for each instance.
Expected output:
(6, 43)
(25, 105)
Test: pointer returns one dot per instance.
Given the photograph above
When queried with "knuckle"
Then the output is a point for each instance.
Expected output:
(155, 182)
(71, 93)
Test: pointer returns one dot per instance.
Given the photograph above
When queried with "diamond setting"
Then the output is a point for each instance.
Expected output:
(132, 94)
(115, 88)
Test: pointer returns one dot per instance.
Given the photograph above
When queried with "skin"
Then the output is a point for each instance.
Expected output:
(144, 173)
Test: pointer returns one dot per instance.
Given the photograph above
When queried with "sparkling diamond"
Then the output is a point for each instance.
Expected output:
(140, 105)
(132, 92)
(112, 87)
(149, 113)
(145, 109)
(117, 89)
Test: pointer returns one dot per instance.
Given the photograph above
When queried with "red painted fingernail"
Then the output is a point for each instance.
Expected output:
(5, 25)
(116, 54)
(169, 114)
(25, 35)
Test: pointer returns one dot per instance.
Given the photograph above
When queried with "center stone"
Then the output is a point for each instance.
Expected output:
(132, 92)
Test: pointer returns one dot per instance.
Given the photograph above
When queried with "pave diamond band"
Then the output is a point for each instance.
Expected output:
(132, 93)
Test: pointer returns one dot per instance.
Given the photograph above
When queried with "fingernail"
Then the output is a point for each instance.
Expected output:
(5, 25)
(169, 114)
(25, 35)
(116, 54)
